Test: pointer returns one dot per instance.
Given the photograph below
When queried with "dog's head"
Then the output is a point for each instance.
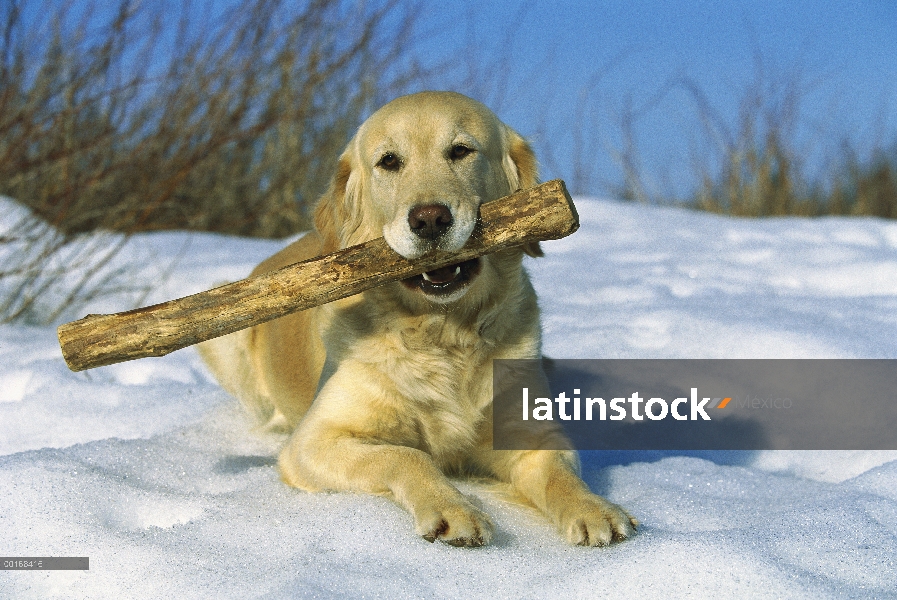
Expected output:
(416, 173)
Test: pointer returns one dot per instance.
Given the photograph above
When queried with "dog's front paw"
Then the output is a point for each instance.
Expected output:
(455, 524)
(593, 521)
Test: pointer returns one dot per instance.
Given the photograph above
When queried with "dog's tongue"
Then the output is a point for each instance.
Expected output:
(443, 275)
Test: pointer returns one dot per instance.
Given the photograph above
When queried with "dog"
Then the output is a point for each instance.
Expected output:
(389, 391)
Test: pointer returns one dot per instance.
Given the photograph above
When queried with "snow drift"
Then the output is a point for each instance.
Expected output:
(153, 472)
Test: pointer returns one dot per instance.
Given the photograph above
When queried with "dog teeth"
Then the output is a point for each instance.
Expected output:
(455, 274)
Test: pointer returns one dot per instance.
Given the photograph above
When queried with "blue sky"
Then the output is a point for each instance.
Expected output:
(574, 68)
(845, 53)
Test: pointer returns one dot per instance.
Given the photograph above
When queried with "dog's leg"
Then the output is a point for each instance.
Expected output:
(355, 438)
(549, 479)
(406, 475)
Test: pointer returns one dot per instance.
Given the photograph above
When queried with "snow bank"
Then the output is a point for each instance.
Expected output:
(154, 473)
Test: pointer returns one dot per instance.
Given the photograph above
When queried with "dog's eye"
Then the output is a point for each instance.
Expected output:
(459, 151)
(389, 162)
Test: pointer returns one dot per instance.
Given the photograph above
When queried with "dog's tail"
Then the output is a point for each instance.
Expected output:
(228, 358)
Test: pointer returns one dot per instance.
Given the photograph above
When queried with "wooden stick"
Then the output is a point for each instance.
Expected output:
(543, 212)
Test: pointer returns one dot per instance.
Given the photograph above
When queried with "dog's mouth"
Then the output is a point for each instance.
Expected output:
(446, 280)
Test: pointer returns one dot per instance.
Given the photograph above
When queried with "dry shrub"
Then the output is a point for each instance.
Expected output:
(44, 273)
(866, 187)
(763, 171)
(759, 165)
(119, 120)
(155, 116)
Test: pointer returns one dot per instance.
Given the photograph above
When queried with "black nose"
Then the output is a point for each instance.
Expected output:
(430, 221)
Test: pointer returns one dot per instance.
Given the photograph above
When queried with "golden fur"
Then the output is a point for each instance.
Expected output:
(387, 391)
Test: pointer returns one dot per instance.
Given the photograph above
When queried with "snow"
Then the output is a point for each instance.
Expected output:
(157, 475)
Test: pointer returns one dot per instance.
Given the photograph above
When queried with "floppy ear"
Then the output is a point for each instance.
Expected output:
(522, 171)
(331, 212)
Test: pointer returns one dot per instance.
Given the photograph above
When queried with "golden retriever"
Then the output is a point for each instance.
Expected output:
(388, 391)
